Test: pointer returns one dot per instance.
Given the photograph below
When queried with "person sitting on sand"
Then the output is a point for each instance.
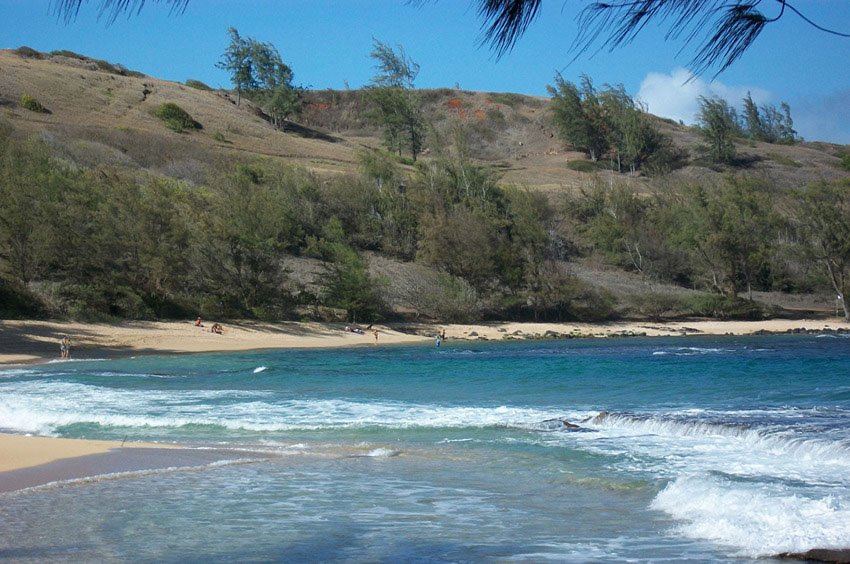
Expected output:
(198, 322)
(217, 328)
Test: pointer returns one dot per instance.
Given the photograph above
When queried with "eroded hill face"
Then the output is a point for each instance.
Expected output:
(99, 117)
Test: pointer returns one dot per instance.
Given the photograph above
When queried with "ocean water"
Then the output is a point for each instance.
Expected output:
(723, 449)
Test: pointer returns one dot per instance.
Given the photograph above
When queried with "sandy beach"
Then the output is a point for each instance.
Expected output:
(24, 342)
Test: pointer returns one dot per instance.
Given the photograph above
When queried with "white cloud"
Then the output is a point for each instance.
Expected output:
(676, 95)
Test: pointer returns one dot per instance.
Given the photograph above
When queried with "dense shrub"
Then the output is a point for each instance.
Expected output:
(506, 98)
(583, 166)
(845, 161)
(197, 84)
(725, 307)
(17, 302)
(28, 52)
(656, 305)
(69, 54)
(176, 118)
(33, 105)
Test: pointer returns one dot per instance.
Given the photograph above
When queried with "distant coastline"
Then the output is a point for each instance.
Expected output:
(29, 341)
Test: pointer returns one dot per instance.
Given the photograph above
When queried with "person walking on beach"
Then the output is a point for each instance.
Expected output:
(376, 335)
(65, 347)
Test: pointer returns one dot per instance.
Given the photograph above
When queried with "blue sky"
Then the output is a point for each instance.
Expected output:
(327, 43)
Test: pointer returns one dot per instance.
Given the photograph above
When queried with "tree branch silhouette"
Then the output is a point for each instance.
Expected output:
(723, 30)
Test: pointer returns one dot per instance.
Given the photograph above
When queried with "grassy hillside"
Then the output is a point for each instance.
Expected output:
(102, 117)
(98, 114)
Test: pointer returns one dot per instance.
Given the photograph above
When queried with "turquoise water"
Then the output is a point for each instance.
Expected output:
(701, 449)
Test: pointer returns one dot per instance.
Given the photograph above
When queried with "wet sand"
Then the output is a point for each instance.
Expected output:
(27, 462)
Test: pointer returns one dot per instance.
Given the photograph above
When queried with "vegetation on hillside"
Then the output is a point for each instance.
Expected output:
(106, 242)
(443, 237)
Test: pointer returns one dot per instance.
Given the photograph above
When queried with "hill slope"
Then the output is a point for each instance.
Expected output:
(97, 116)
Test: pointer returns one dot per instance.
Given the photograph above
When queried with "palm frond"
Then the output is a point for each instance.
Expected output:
(505, 21)
(68, 10)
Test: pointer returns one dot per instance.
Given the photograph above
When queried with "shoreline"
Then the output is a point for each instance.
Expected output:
(31, 342)
(47, 462)
(36, 461)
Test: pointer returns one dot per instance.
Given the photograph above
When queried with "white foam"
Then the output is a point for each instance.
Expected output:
(757, 519)
(12, 372)
(66, 360)
(669, 447)
(382, 453)
(692, 351)
(43, 407)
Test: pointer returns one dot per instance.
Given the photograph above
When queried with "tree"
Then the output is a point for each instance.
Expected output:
(767, 123)
(596, 122)
(270, 72)
(719, 126)
(731, 228)
(251, 224)
(238, 61)
(283, 102)
(823, 215)
(397, 107)
(348, 285)
(752, 119)
(258, 72)
(29, 189)
(579, 116)
(395, 68)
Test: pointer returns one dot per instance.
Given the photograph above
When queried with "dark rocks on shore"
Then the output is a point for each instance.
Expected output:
(805, 331)
(830, 555)
(825, 330)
